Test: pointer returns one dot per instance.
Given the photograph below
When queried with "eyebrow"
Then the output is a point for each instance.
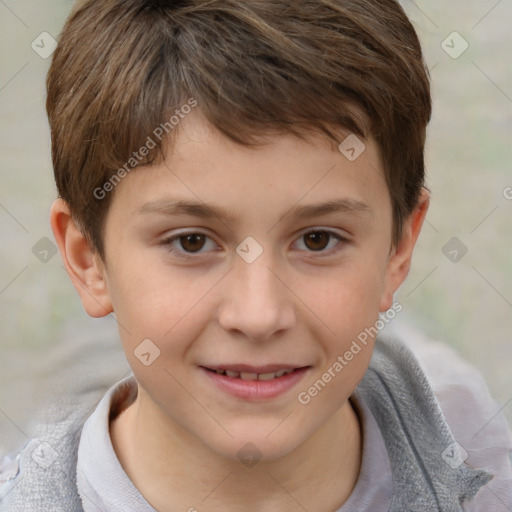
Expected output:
(203, 210)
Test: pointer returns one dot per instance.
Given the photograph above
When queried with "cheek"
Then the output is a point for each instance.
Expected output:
(348, 304)
(156, 302)
(347, 300)
(143, 291)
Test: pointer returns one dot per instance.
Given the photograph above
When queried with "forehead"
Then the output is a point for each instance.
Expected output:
(208, 175)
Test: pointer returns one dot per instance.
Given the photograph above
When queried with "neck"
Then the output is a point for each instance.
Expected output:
(169, 466)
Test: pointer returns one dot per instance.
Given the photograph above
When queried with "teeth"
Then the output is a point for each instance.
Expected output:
(267, 376)
(254, 376)
(249, 376)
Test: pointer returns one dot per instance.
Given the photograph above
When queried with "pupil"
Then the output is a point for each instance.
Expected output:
(193, 242)
(319, 237)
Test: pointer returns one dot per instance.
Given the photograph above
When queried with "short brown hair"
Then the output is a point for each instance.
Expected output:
(254, 67)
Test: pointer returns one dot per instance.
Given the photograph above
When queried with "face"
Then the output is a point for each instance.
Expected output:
(237, 265)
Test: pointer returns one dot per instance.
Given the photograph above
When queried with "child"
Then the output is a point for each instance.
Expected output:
(284, 142)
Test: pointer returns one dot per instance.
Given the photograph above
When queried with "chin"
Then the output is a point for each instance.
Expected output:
(250, 445)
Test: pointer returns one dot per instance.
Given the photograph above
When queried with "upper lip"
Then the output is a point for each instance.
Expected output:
(247, 368)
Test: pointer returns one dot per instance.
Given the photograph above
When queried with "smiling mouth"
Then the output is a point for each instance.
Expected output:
(248, 376)
(255, 383)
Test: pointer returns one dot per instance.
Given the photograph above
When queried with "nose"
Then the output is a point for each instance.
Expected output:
(256, 301)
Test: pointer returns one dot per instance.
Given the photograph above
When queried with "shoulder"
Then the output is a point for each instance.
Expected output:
(42, 476)
(475, 419)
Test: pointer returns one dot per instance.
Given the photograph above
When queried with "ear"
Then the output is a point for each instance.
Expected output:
(399, 261)
(82, 263)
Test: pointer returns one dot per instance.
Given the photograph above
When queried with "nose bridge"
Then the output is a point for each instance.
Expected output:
(256, 302)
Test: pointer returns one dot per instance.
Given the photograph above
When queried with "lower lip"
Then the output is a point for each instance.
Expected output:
(256, 389)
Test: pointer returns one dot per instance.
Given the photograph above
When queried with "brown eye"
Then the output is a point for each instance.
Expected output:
(321, 241)
(193, 242)
(188, 244)
(317, 240)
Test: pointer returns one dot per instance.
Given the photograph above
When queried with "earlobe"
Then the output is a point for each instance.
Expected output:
(400, 258)
(84, 267)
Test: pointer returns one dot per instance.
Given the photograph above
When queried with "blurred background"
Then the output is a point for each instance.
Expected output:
(460, 286)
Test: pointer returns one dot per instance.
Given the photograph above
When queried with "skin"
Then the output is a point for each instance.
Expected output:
(298, 303)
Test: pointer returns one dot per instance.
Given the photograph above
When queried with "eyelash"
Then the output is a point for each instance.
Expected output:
(191, 255)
